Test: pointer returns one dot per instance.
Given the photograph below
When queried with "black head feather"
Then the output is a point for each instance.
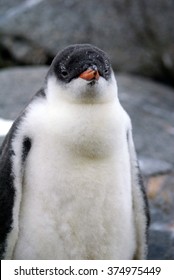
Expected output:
(75, 59)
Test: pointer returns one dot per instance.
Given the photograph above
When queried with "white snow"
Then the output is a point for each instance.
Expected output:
(5, 126)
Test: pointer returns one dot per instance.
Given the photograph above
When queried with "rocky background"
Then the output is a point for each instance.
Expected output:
(138, 35)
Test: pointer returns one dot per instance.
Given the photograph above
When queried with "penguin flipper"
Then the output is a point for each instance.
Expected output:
(7, 189)
(13, 153)
(140, 203)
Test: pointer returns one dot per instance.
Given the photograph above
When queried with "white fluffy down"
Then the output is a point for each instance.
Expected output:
(77, 184)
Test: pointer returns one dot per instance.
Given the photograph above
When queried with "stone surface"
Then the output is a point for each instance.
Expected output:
(160, 191)
(161, 244)
(18, 85)
(138, 35)
(151, 166)
(150, 106)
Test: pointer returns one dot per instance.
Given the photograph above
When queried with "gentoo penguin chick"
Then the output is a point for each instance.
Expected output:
(69, 180)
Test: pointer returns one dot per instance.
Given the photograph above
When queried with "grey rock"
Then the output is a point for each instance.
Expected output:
(161, 245)
(1, 140)
(152, 167)
(161, 239)
(138, 35)
(23, 51)
(150, 106)
(162, 204)
(18, 85)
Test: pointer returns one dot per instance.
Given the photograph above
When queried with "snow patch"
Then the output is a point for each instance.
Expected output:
(5, 126)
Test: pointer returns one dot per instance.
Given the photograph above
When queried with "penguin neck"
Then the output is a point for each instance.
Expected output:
(91, 126)
(78, 93)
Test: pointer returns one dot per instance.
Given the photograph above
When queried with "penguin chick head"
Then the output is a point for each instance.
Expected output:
(81, 73)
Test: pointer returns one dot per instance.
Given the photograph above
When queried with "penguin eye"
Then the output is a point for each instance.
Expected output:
(64, 73)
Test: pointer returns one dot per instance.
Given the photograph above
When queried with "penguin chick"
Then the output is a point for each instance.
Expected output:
(69, 178)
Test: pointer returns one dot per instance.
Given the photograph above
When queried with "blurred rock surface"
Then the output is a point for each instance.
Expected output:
(150, 106)
(138, 35)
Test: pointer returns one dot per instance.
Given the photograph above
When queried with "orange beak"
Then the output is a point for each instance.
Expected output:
(90, 74)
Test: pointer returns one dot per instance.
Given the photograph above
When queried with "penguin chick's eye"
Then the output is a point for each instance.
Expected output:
(106, 71)
(64, 73)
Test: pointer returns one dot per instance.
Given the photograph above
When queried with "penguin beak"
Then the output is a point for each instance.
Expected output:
(90, 74)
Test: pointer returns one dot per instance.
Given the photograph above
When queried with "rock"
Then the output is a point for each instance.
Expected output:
(18, 85)
(138, 35)
(151, 166)
(150, 106)
(161, 246)
(1, 140)
(162, 202)
(160, 190)
(22, 51)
